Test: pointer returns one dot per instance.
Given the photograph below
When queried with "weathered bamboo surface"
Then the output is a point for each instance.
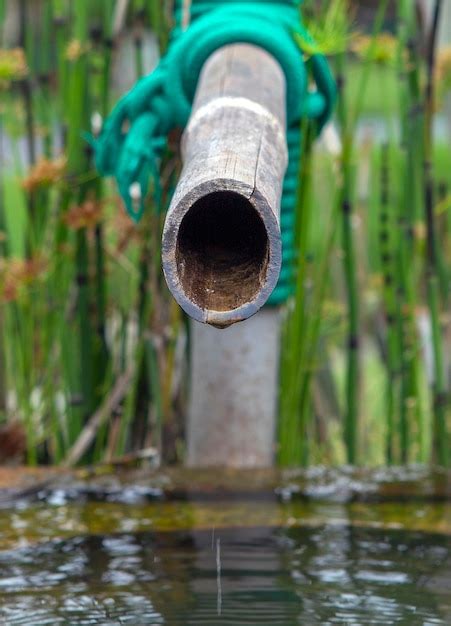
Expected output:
(221, 242)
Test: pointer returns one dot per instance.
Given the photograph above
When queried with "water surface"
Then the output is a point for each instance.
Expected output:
(303, 552)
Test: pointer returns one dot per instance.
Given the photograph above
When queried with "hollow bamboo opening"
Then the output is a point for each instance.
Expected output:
(222, 251)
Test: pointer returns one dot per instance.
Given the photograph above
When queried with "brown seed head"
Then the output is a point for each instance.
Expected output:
(86, 215)
(75, 49)
(15, 274)
(381, 49)
(13, 66)
(45, 173)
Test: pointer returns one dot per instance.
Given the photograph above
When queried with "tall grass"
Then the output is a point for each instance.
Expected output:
(93, 359)
(388, 293)
(78, 307)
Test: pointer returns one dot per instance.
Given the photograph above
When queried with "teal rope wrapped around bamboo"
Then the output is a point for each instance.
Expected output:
(134, 135)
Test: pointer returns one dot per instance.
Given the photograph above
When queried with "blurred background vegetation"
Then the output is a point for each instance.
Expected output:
(93, 348)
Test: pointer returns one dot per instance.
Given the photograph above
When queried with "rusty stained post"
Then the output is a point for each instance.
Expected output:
(221, 244)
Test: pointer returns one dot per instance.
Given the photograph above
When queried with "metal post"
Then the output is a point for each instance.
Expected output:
(221, 242)
(233, 393)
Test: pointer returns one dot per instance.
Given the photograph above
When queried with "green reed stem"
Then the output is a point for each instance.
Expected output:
(443, 234)
(347, 123)
(433, 291)
(386, 246)
(291, 434)
(3, 252)
(349, 266)
(412, 148)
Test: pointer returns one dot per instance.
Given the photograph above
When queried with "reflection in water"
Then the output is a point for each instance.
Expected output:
(324, 575)
(218, 577)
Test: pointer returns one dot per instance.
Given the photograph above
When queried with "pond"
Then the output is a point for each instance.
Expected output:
(317, 547)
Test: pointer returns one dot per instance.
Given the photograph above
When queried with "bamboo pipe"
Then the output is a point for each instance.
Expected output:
(221, 244)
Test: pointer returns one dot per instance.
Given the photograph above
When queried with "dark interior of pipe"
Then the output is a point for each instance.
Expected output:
(222, 251)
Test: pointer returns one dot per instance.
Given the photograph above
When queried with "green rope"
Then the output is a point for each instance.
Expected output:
(162, 100)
